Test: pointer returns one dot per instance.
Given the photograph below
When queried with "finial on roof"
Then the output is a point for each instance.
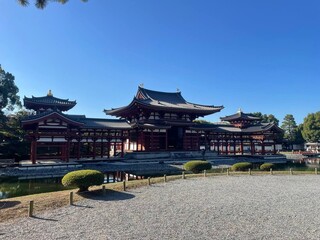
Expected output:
(240, 110)
(178, 90)
(49, 94)
(141, 85)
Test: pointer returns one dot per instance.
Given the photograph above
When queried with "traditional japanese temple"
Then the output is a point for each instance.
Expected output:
(162, 120)
(153, 121)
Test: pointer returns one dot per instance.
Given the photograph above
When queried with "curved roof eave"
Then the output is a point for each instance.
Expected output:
(38, 118)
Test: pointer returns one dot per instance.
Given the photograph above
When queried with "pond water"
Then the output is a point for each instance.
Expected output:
(305, 164)
(12, 187)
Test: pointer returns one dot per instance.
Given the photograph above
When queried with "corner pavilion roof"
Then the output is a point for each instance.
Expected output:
(48, 102)
(162, 101)
(78, 120)
(229, 128)
(240, 116)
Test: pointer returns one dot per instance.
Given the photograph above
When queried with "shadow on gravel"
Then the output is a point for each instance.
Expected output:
(46, 219)
(8, 204)
(81, 206)
(111, 195)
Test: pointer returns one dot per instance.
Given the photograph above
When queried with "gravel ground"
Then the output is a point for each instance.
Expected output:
(235, 207)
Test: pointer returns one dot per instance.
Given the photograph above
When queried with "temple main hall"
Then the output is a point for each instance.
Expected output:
(153, 121)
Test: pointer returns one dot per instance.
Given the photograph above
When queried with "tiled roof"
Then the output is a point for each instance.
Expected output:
(105, 123)
(80, 120)
(37, 117)
(170, 101)
(228, 128)
(240, 116)
(48, 102)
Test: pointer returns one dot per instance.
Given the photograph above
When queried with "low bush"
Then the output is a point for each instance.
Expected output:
(267, 166)
(197, 166)
(241, 166)
(83, 179)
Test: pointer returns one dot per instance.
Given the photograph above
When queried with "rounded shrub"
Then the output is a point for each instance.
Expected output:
(83, 179)
(267, 166)
(241, 166)
(197, 166)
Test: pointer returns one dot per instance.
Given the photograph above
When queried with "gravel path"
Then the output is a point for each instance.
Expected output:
(235, 207)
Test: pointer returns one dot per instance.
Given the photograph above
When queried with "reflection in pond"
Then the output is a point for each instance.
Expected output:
(305, 164)
(12, 187)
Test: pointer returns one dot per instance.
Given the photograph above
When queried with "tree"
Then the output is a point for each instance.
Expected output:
(311, 127)
(290, 128)
(12, 141)
(41, 4)
(299, 137)
(8, 92)
(201, 121)
(265, 118)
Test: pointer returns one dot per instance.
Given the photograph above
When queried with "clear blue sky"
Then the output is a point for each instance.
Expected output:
(255, 55)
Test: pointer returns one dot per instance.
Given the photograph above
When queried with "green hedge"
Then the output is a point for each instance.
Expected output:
(267, 166)
(197, 166)
(83, 179)
(241, 166)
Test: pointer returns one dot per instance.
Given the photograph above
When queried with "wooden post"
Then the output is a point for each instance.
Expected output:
(271, 173)
(183, 175)
(149, 181)
(316, 171)
(291, 171)
(227, 171)
(204, 173)
(165, 178)
(30, 212)
(71, 198)
(249, 171)
(103, 190)
(124, 185)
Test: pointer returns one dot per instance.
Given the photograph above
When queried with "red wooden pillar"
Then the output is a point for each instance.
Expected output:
(142, 141)
(122, 144)
(191, 140)
(234, 147)
(79, 148)
(218, 149)
(33, 154)
(166, 139)
(151, 140)
(63, 152)
(252, 148)
(274, 148)
(138, 139)
(108, 147)
(241, 146)
(226, 147)
(101, 147)
(68, 150)
(129, 135)
(263, 151)
(94, 145)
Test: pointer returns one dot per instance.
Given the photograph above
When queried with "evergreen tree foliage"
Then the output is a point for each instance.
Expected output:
(201, 121)
(311, 127)
(290, 129)
(8, 92)
(12, 141)
(299, 136)
(266, 118)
